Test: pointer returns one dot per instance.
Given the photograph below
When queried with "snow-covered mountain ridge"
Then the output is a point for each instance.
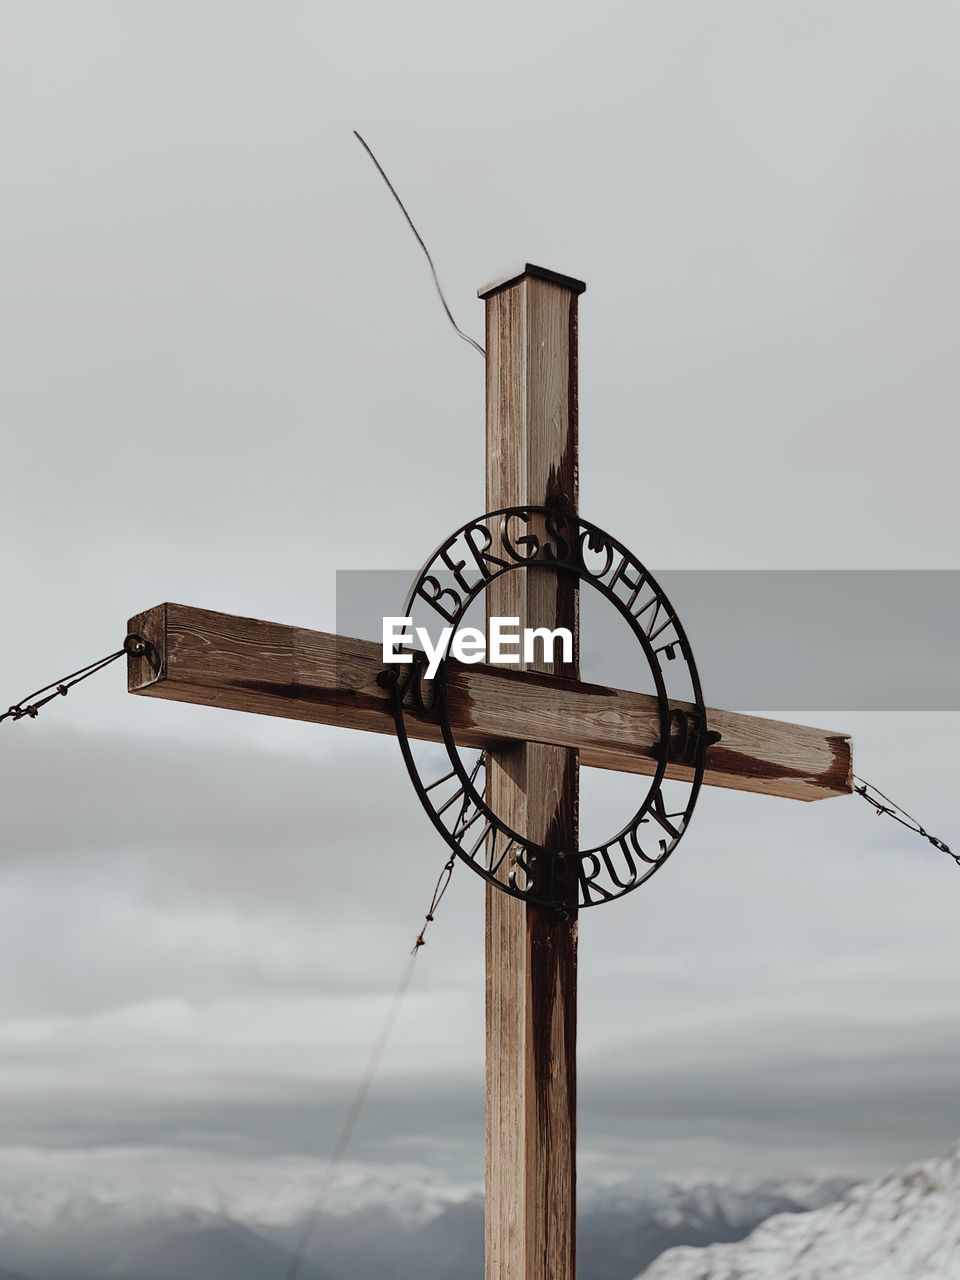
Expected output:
(192, 1215)
(902, 1227)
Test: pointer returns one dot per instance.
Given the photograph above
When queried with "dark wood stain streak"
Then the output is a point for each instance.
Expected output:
(531, 974)
(723, 760)
(842, 771)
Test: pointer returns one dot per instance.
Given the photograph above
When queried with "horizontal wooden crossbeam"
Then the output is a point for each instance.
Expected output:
(219, 660)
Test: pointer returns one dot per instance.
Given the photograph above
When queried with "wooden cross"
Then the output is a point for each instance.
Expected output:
(535, 727)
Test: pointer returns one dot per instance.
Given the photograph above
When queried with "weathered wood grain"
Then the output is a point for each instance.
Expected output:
(531, 952)
(243, 664)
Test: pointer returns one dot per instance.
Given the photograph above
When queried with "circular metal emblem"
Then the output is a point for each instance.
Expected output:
(546, 540)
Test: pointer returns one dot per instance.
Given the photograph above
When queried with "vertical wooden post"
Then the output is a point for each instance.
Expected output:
(531, 955)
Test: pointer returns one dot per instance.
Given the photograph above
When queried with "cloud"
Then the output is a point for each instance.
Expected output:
(226, 377)
(220, 947)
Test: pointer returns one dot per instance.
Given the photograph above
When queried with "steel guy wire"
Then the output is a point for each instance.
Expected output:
(443, 881)
(30, 706)
(312, 1223)
(342, 1144)
(884, 806)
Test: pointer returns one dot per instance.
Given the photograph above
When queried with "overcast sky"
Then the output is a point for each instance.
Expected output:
(225, 376)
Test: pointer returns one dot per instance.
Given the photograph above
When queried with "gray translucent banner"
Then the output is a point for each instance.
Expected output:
(763, 640)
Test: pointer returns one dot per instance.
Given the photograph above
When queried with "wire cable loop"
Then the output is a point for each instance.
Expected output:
(883, 806)
(30, 706)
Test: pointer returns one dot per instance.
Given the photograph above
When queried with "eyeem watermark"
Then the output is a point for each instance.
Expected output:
(508, 643)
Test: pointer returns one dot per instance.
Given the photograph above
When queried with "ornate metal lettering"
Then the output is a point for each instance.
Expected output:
(541, 539)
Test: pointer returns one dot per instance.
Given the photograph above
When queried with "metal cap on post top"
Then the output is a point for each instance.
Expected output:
(532, 272)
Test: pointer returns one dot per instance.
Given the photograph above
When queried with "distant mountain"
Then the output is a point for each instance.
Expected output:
(619, 1233)
(224, 1252)
(375, 1245)
(186, 1247)
(902, 1227)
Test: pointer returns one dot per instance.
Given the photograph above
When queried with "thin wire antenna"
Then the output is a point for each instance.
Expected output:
(433, 270)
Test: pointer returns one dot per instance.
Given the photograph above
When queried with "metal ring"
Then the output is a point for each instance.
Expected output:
(558, 541)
